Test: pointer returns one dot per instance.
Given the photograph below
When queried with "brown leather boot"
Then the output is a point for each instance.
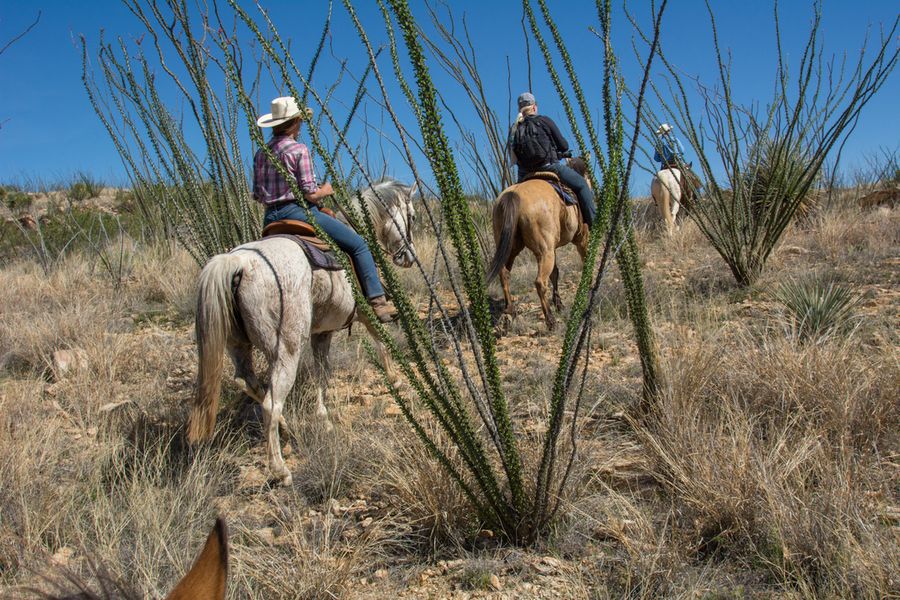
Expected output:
(384, 309)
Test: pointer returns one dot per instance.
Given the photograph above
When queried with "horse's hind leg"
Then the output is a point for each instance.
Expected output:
(554, 281)
(665, 207)
(504, 280)
(321, 347)
(241, 354)
(546, 263)
(281, 379)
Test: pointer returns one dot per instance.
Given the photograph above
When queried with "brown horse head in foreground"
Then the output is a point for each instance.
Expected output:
(204, 581)
(532, 215)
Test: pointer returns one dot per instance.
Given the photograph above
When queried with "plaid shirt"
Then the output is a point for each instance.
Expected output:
(269, 186)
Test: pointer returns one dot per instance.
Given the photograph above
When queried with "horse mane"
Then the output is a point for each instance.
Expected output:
(382, 195)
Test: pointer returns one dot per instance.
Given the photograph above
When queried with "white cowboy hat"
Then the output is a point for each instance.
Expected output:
(664, 128)
(283, 110)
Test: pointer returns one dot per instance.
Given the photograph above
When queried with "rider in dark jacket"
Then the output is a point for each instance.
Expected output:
(550, 160)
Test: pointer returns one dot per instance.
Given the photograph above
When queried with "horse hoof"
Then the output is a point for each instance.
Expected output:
(285, 480)
(551, 324)
(503, 324)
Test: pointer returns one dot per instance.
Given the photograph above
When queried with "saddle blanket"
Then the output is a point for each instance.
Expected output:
(318, 258)
(564, 193)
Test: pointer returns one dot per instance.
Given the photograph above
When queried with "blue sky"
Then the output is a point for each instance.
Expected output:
(49, 131)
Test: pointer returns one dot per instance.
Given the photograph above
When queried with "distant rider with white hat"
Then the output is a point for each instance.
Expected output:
(669, 151)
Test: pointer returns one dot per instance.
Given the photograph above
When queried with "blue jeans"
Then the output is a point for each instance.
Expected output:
(579, 185)
(347, 240)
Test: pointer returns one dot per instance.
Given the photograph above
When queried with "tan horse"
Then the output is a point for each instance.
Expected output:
(532, 215)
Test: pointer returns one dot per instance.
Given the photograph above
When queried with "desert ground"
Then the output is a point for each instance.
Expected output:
(769, 468)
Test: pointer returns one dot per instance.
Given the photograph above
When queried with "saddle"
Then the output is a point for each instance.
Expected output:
(316, 249)
(565, 192)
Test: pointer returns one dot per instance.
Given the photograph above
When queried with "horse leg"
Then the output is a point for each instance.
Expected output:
(281, 378)
(504, 280)
(665, 207)
(385, 356)
(321, 346)
(554, 280)
(546, 263)
(241, 354)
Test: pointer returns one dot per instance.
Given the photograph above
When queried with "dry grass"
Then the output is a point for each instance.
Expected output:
(768, 470)
(777, 459)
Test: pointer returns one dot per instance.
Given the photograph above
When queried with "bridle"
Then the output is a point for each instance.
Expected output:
(406, 234)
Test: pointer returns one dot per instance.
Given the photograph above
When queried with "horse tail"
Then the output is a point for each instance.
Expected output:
(508, 212)
(216, 320)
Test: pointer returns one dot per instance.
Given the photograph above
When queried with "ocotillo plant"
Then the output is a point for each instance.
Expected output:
(611, 169)
(449, 360)
(198, 194)
(770, 158)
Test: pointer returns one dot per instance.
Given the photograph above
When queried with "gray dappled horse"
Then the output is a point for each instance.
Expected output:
(264, 294)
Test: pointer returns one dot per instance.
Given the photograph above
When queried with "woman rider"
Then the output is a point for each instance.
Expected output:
(540, 147)
(272, 191)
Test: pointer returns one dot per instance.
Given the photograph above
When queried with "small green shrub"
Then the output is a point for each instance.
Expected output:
(817, 307)
(62, 232)
(768, 184)
(85, 187)
(14, 198)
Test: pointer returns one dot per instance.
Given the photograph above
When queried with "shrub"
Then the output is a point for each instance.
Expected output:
(204, 198)
(85, 187)
(816, 308)
(772, 455)
(15, 199)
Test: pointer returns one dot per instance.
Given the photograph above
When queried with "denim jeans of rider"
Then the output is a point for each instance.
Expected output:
(347, 240)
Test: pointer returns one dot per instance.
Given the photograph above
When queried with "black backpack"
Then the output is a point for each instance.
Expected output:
(532, 143)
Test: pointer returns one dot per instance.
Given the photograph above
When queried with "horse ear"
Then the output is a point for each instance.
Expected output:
(413, 188)
(206, 579)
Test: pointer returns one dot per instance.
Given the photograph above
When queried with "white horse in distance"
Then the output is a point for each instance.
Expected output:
(264, 294)
(670, 188)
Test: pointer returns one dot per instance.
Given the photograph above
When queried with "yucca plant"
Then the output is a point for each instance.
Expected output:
(769, 183)
(817, 308)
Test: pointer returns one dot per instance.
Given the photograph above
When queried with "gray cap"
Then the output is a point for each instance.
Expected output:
(526, 99)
